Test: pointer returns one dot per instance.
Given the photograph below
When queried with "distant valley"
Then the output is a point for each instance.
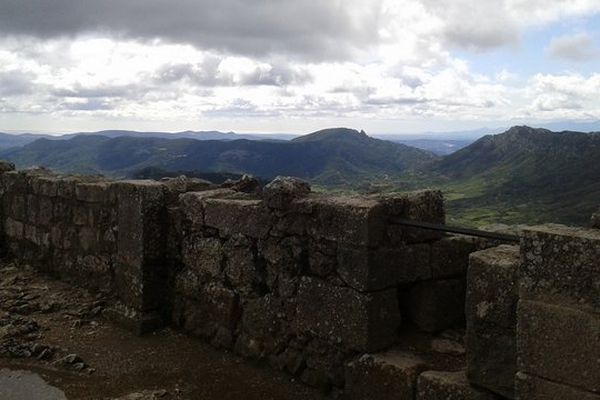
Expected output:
(524, 175)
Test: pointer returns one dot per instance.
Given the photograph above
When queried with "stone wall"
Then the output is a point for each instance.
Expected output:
(323, 287)
(308, 283)
(533, 315)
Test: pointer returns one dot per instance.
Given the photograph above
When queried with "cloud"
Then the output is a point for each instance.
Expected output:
(312, 29)
(578, 48)
(487, 24)
(15, 83)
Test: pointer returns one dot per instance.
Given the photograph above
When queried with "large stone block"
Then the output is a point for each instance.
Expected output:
(560, 266)
(283, 190)
(140, 267)
(370, 269)
(492, 292)
(14, 229)
(205, 256)
(559, 344)
(192, 204)
(491, 358)
(533, 388)
(389, 375)
(217, 307)
(359, 321)
(45, 185)
(438, 385)
(356, 220)
(435, 305)
(95, 192)
(236, 216)
(423, 206)
(491, 308)
(450, 255)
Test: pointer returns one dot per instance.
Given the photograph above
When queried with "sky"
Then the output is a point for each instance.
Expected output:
(385, 66)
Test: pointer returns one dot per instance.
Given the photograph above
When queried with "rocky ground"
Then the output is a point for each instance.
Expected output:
(59, 332)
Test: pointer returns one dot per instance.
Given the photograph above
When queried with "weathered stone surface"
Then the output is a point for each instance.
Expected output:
(492, 358)
(139, 271)
(492, 291)
(533, 388)
(491, 308)
(283, 190)
(192, 204)
(435, 305)
(450, 256)
(559, 344)
(203, 255)
(438, 385)
(360, 321)
(424, 205)
(234, 216)
(95, 192)
(218, 307)
(368, 269)
(389, 375)
(560, 266)
(14, 229)
(356, 220)
(246, 184)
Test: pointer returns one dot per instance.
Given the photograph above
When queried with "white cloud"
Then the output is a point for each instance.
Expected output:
(577, 47)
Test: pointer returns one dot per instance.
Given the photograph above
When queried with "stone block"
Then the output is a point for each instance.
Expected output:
(205, 256)
(350, 220)
(492, 289)
(559, 344)
(15, 206)
(369, 269)
(217, 307)
(359, 321)
(192, 204)
(389, 375)
(560, 266)
(423, 206)
(240, 268)
(95, 192)
(140, 268)
(450, 256)
(283, 190)
(45, 185)
(491, 308)
(263, 319)
(435, 305)
(233, 217)
(438, 385)
(492, 358)
(14, 229)
(533, 388)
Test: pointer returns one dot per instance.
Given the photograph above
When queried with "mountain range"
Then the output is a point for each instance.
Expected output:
(331, 157)
(525, 174)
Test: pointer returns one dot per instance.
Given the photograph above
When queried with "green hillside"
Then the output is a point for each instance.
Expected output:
(332, 157)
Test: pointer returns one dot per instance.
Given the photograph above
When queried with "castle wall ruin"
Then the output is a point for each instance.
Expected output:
(320, 285)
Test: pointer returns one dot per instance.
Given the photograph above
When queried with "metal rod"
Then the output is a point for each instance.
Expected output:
(454, 229)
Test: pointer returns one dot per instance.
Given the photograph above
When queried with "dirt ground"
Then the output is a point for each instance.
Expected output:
(58, 332)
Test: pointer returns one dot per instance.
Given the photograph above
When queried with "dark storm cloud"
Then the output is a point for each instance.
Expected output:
(314, 29)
